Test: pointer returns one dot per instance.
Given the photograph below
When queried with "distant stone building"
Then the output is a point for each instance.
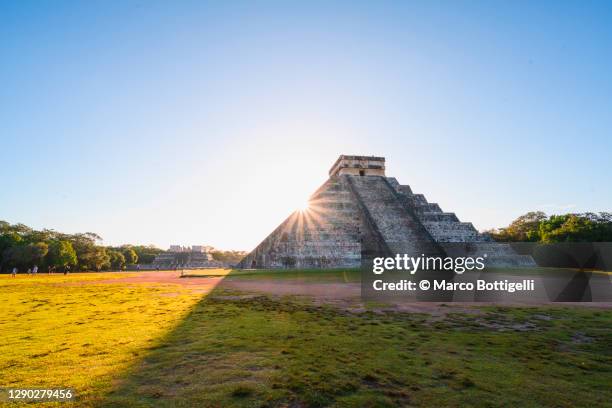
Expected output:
(197, 256)
(360, 211)
(203, 249)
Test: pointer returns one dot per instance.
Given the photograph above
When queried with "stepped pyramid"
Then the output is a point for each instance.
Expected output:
(360, 212)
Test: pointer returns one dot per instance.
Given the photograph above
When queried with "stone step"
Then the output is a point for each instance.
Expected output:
(438, 216)
(450, 226)
(419, 199)
(400, 231)
(429, 207)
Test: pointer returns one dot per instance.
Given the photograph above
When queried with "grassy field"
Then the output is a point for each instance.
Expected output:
(160, 344)
(69, 331)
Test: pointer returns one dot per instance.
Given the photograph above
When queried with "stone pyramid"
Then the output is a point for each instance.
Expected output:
(359, 211)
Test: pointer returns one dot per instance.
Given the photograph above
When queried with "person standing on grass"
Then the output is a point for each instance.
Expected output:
(14, 272)
(35, 269)
(29, 271)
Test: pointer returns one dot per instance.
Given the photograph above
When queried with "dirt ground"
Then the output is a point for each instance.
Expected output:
(172, 277)
(325, 291)
(345, 295)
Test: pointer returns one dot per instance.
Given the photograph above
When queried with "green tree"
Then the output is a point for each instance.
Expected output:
(15, 256)
(524, 228)
(130, 256)
(8, 240)
(231, 257)
(36, 252)
(146, 253)
(61, 254)
(537, 227)
(91, 257)
(568, 228)
(117, 260)
(25, 256)
(94, 258)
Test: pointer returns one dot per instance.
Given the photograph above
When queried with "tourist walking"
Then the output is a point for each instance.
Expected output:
(35, 269)
(14, 272)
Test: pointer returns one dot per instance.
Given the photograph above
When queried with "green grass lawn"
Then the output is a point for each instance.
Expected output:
(57, 332)
(163, 345)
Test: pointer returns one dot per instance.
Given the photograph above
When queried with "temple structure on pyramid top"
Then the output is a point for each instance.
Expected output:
(360, 212)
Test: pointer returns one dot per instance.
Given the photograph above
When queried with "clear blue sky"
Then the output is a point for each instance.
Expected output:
(193, 122)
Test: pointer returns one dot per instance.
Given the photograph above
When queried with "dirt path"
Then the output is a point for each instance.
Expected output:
(172, 277)
(343, 294)
(289, 287)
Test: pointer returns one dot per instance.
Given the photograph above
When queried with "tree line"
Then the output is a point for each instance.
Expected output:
(24, 247)
(229, 257)
(536, 226)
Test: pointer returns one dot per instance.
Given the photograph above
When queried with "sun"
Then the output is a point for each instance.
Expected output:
(305, 206)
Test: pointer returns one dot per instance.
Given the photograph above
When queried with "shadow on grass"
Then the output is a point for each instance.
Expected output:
(176, 371)
(247, 349)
